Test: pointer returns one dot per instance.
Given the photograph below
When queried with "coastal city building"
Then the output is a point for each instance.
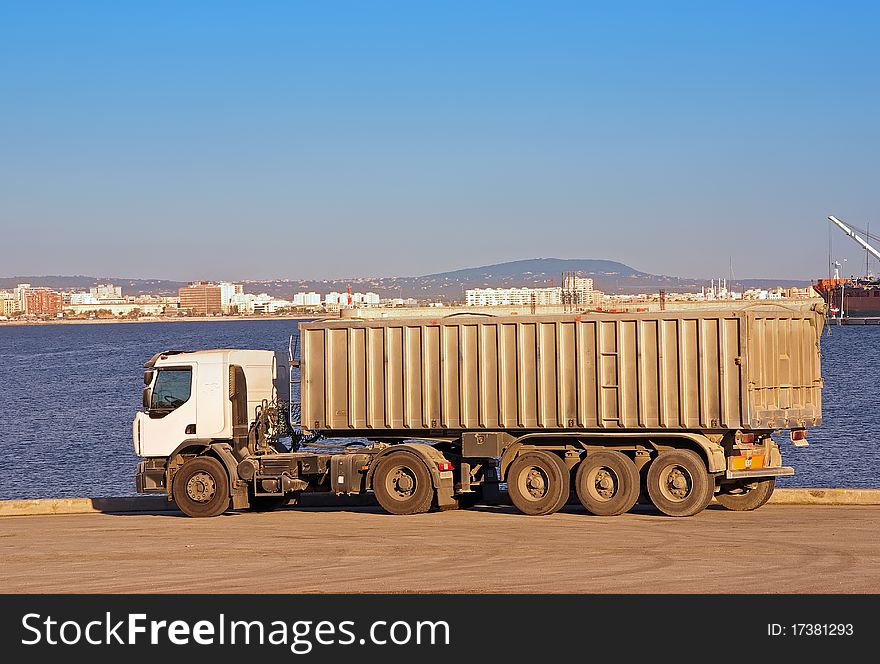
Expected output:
(106, 292)
(366, 299)
(204, 298)
(336, 300)
(402, 302)
(8, 305)
(346, 299)
(579, 291)
(37, 301)
(43, 302)
(716, 292)
(512, 297)
(227, 292)
(310, 299)
(20, 294)
(107, 301)
(241, 303)
(271, 305)
(201, 298)
(102, 293)
(248, 303)
(82, 298)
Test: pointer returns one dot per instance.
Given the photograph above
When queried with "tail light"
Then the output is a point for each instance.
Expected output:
(445, 466)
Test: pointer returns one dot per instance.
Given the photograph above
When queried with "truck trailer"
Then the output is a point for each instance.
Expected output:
(671, 408)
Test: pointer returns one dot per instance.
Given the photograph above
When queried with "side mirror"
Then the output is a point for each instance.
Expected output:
(148, 376)
(148, 393)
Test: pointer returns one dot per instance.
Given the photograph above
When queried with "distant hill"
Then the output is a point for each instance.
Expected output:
(608, 276)
(535, 273)
(539, 268)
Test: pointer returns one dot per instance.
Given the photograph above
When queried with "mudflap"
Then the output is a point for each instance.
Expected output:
(238, 488)
(445, 493)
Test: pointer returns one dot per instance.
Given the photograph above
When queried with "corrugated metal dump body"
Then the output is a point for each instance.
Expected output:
(752, 369)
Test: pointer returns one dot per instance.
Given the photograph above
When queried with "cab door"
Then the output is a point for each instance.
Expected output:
(171, 416)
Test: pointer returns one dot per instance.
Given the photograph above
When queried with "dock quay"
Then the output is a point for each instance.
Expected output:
(160, 505)
(868, 320)
(804, 541)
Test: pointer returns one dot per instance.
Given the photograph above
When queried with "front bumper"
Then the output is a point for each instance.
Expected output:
(150, 476)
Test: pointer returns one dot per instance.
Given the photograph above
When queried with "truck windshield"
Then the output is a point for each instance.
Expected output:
(172, 390)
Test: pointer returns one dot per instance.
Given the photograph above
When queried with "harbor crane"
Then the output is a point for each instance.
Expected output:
(849, 231)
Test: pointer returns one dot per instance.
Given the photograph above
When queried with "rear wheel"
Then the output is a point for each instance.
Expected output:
(607, 483)
(201, 487)
(538, 483)
(402, 484)
(678, 483)
(746, 497)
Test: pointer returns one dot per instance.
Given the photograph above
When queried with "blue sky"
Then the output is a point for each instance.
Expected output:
(318, 139)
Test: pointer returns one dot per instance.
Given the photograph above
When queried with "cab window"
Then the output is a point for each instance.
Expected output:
(171, 391)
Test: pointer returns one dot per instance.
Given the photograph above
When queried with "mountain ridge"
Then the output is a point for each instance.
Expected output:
(608, 276)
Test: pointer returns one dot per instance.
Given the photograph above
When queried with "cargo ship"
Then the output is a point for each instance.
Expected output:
(853, 297)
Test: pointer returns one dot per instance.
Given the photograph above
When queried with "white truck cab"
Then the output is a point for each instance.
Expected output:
(189, 398)
(207, 439)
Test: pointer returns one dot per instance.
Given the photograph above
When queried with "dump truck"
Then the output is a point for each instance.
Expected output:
(670, 408)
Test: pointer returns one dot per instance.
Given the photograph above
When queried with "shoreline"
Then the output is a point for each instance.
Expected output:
(449, 310)
(170, 319)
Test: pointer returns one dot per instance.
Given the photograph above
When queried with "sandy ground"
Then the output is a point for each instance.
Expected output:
(778, 549)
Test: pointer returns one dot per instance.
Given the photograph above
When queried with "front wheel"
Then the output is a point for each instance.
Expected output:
(201, 487)
(748, 497)
(402, 484)
(678, 483)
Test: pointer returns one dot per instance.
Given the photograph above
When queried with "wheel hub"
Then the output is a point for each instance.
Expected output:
(677, 484)
(604, 484)
(536, 483)
(201, 487)
(402, 483)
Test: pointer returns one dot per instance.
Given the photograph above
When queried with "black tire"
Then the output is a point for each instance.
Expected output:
(201, 487)
(402, 484)
(748, 497)
(678, 483)
(269, 503)
(538, 483)
(607, 483)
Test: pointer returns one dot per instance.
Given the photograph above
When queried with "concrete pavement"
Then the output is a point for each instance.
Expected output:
(776, 549)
